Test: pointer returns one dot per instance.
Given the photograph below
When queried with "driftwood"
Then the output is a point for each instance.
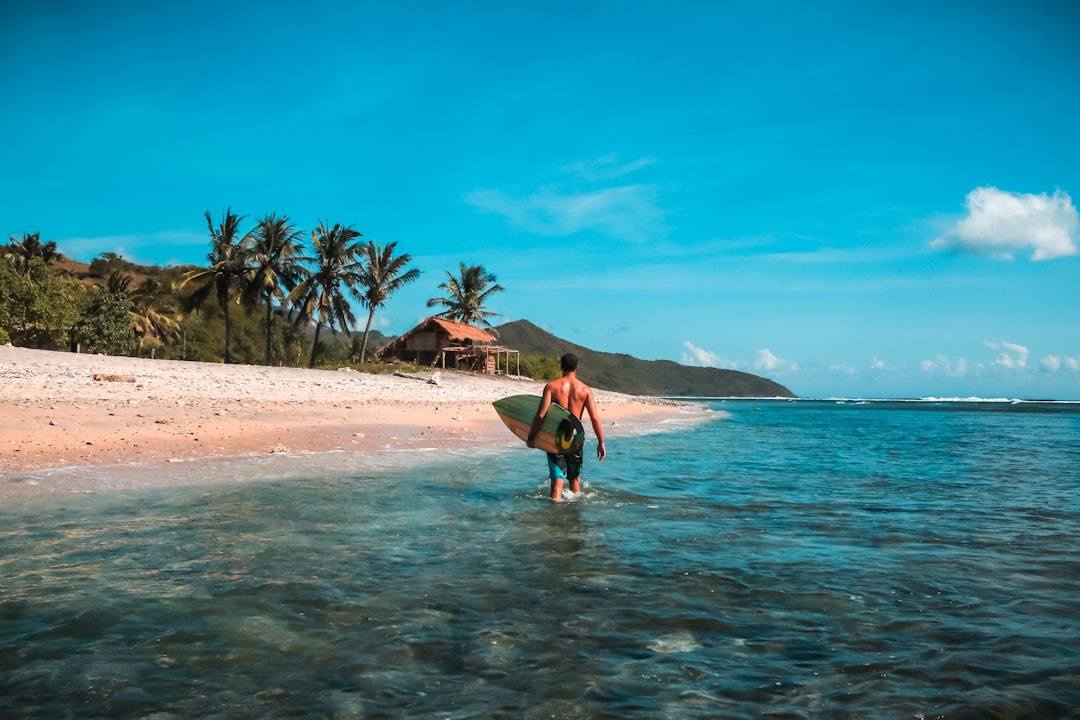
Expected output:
(104, 377)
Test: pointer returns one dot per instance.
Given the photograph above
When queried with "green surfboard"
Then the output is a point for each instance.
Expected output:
(561, 433)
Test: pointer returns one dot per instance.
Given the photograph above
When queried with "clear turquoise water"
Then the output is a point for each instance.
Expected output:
(785, 560)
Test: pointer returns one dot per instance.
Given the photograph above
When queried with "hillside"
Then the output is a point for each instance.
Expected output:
(623, 373)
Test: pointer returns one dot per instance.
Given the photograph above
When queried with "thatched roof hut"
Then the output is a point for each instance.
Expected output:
(435, 339)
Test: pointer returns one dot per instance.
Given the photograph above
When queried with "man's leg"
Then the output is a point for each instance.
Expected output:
(573, 471)
(557, 473)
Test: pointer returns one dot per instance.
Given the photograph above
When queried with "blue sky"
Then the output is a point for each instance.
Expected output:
(854, 199)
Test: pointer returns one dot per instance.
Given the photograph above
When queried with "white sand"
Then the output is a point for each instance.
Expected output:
(55, 414)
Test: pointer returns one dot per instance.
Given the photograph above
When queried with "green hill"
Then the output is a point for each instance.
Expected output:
(623, 373)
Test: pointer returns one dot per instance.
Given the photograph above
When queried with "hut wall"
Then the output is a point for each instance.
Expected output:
(425, 342)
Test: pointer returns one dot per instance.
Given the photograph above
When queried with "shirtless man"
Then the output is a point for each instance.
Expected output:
(576, 397)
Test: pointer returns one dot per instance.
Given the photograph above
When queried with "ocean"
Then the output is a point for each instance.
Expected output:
(784, 559)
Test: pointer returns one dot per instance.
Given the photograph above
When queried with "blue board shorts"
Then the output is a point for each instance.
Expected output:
(564, 467)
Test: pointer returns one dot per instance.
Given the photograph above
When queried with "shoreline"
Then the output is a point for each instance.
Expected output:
(63, 410)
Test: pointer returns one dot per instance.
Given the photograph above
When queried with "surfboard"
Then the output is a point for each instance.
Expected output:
(561, 433)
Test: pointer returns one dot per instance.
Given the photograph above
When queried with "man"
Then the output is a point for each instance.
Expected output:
(576, 397)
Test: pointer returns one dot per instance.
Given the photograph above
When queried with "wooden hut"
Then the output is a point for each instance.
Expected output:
(439, 342)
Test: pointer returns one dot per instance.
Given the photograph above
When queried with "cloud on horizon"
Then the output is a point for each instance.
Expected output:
(698, 357)
(1011, 355)
(942, 364)
(1000, 223)
(768, 362)
(1056, 363)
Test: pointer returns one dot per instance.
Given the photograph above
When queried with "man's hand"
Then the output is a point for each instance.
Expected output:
(601, 451)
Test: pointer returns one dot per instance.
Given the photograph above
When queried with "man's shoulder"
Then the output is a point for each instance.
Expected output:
(581, 387)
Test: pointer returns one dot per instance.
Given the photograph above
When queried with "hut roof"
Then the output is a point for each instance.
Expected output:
(457, 332)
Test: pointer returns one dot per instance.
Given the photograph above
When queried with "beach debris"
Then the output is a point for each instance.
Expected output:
(280, 449)
(107, 377)
(435, 378)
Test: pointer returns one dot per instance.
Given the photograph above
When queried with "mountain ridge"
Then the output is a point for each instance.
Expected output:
(627, 374)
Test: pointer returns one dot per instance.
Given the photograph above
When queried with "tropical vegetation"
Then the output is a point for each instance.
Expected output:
(323, 294)
(467, 294)
(289, 290)
(383, 275)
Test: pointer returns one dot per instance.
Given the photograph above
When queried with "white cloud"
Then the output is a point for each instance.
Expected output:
(1010, 355)
(946, 366)
(999, 223)
(768, 362)
(605, 168)
(628, 211)
(1055, 363)
(877, 363)
(698, 357)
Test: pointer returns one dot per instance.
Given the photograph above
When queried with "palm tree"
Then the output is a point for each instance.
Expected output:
(118, 283)
(274, 257)
(467, 295)
(20, 252)
(383, 276)
(228, 265)
(148, 316)
(320, 296)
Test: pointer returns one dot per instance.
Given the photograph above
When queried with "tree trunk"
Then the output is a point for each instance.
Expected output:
(267, 330)
(228, 331)
(315, 345)
(363, 346)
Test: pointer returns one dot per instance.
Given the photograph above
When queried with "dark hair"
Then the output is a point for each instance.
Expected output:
(568, 362)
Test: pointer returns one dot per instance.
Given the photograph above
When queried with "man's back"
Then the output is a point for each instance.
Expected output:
(571, 393)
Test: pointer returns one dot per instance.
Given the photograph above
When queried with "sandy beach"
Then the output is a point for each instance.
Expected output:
(60, 410)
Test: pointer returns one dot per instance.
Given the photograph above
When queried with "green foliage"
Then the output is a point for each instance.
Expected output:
(106, 327)
(322, 295)
(274, 269)
(21, 252)
(108, 263)
(467, 294)
(537, 367)
(5, 339)
(36, 308)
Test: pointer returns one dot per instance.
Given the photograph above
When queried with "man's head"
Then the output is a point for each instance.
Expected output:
(568, 362)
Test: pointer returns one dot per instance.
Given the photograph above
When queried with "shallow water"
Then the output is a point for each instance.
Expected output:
(786, 560)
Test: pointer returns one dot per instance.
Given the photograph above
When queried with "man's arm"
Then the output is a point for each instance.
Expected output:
(545, 403)
(598, 429)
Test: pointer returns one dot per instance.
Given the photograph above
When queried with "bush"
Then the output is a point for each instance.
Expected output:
(106, 327)
(538, 367)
